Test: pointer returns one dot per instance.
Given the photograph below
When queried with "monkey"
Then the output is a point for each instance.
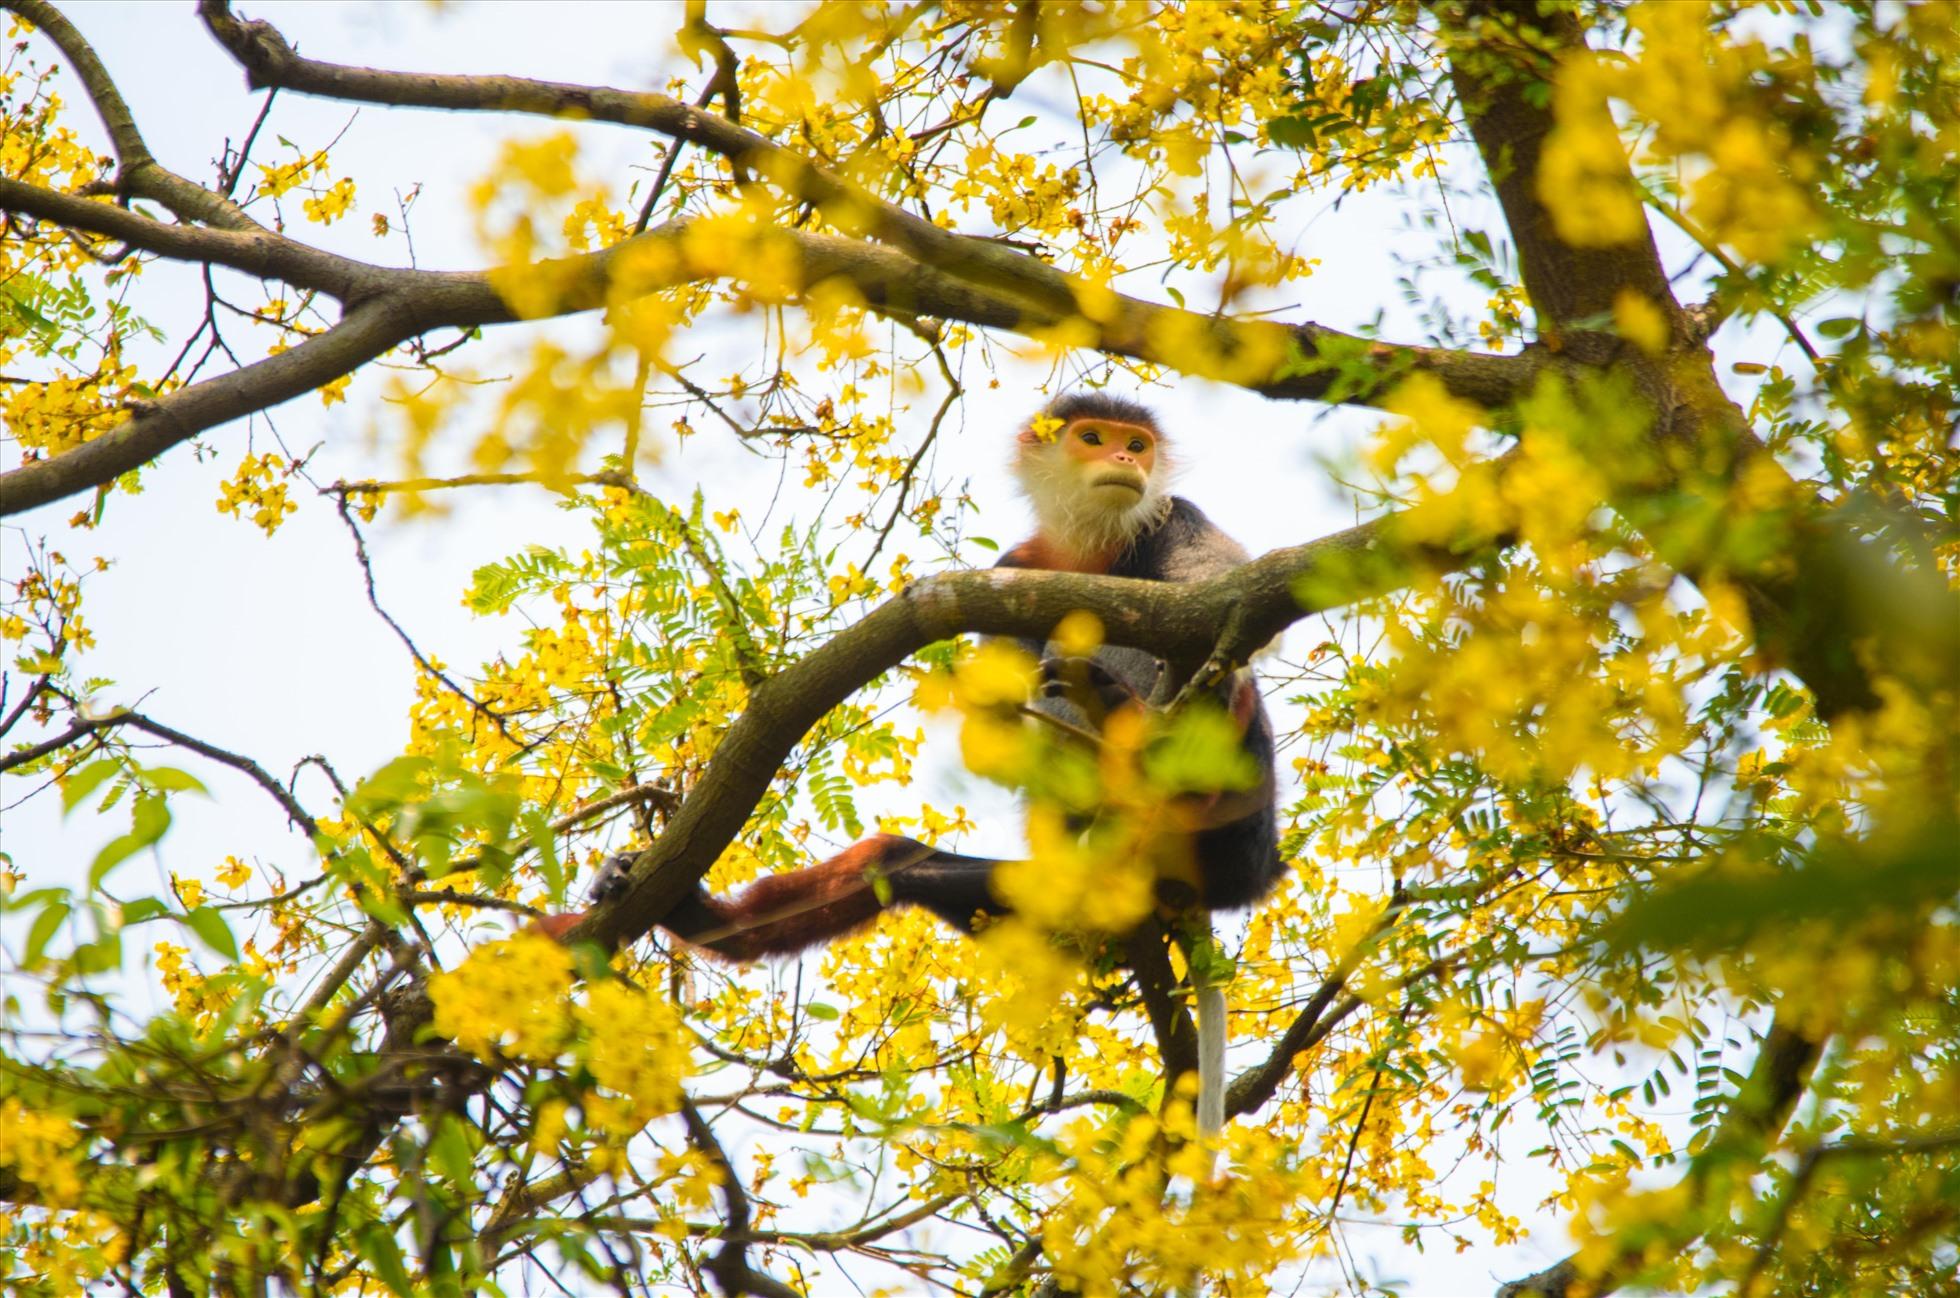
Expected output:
(1095, 469)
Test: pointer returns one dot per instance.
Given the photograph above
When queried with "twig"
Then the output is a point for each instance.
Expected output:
(374, 602)
(373, 487)
(238, 762)
(730, 1264)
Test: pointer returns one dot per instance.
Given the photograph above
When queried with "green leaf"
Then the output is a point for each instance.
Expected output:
(819, 1010)
(452, 1153)
(538, 830)
(212, 930)
(45, 925)
(142, 908)
(398, 782)
(99, 956)
(168, 779)
(86, 781)
(378, 1245)
(1839, 326)
(149, 818)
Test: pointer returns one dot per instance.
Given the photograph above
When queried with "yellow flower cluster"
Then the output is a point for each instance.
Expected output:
(1490, 1048)
(55, 417)
(258, 491)
(1131, 1217)
(281, 178)
(331, 203)
(633, 1047)
(187, 987)
(507, 999)
(1688, 80)
(513, 999)
(39, 1147)
(1022, 193)
(1031, 990)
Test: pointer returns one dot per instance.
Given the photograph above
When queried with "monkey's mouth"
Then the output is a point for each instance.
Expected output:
(1129, 481)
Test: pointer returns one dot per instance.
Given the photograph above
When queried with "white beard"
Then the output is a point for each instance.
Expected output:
(1087, 522)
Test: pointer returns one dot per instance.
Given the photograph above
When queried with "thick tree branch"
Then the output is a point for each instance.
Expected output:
(256, 251)
(389, 305)
(1298, 361)
(365, 333)
(138, 173)
(1503, 93)
(1702, 489)
(1812, 597)
(730, 1264)
(1177, 622)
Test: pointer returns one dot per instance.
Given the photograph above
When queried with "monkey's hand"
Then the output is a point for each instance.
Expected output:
(608, 883)
(1087, 684)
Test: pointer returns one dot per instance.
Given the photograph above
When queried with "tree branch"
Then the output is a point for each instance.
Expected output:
(363, 334)
(1251, 1089)
(255, 251)
(1174, 621)
(1756, 1113)
(389, 305)
(137, 721)
(1299, 361)
(138, 173)
(730, 1265)
(1502, 60)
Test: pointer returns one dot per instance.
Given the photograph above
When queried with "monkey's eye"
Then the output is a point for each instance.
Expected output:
(1090, 437)
(1137, 446)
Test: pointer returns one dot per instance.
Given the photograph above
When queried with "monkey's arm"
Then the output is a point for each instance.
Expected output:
(782, 914)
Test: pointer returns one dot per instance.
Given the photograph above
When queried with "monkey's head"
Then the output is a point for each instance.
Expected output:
(1095, 469)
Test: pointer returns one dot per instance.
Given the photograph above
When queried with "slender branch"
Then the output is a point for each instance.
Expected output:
(255, 251)
(1756, 1113)
(1251, 1089)
(476, 705)
(869, 1231)
(376, 487)
(137, 721)
(730, 1265)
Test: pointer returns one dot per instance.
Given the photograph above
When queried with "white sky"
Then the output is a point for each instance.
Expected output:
(267, 647)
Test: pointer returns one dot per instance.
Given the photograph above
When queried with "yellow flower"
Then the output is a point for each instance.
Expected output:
(37, 1145)
(1641, 321)
(508, 997)
(633, 1047)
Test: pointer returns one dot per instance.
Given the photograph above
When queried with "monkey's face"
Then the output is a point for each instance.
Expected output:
(1113, 460)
